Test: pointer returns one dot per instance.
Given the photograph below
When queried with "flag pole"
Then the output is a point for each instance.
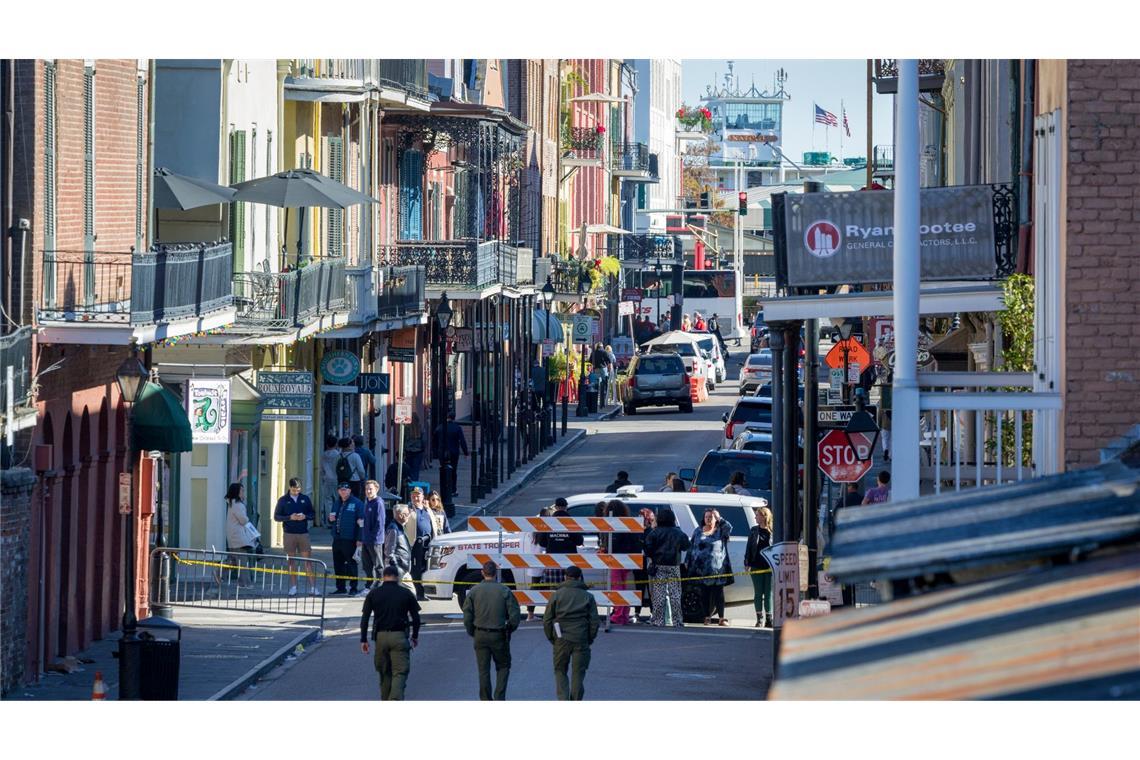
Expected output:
(814, 106)
(842, 115)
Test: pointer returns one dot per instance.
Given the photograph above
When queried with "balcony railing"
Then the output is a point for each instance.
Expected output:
(402, 292)
(273, 301)
(180, 280)
(931, 74)
(640, 249)
(91, 286)
(456, 263)
(630, 157)
(583, 142)
(407, 74)
(883, 158)
(16, 355)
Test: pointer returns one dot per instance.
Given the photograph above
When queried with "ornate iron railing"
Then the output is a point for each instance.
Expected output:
(16, 354)
(402, 292)
(178, 280)
(633, 249)
(931, 73)
(407, 73)
(404, 73)
(464, 263)
(583, 142)
(86, 286)
(271, 301)
(630, 156)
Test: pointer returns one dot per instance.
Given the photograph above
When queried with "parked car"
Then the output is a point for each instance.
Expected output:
(449, 558)
(752, 439)
(718, 465)
(709, 344)
(757, 371)
(656, 379)
(749, 410)
(684, 345)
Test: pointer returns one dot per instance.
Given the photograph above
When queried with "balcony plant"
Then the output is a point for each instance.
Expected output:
(699, 119)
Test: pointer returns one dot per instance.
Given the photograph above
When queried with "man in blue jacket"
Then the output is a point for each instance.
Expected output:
(372, 538)
(295, 511)
(347, 522)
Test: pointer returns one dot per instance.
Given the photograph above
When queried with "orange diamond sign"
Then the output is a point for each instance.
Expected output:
(856, 354)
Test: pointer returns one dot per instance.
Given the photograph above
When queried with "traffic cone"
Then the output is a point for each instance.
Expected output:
(99, 690)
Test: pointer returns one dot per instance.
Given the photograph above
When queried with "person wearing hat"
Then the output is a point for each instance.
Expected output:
(490, 615)
(571, 625)
(394, 608)
(347, 523)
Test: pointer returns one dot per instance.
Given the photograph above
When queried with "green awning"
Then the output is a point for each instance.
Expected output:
(159, 422)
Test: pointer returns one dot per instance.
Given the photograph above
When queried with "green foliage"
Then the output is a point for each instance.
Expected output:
(558, 366)
(611, 266)
(1016, 323)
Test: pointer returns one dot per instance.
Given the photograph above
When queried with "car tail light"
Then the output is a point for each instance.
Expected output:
(692, 489)
(728, 430)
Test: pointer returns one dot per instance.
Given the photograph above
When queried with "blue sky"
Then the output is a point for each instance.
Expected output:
(825, 82)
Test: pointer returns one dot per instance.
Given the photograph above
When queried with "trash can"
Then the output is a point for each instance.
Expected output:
(149, 661)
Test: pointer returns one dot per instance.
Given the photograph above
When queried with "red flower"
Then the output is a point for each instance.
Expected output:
(680, 113)
(706, 113)
(600, 129)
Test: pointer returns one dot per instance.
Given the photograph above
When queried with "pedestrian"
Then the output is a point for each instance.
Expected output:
(350, 469)
(571, 625)
(372, 536)
(533, 546)
(559, 542)
(679, 485)
(421, 531)
(760, 538)
(686, 323)
(295, 511)
(490, 615)
(414, 447)
(347, 520)
(668, 482)
(438, 514)
(611, 385)
(365, 454)
(736, 485)
(708, 562)
(329, 481)
(698, 322)
(714, 327)
(621, 543)
(641, 574)
(882, 492)
(241, 534)
(665, 545)
(394, 608)
(621, 480)
(392, 477)
(885, 395)
(397, 548)
(604, 365)
(450, 442)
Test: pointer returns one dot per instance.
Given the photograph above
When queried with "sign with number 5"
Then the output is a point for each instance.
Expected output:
(784, 559)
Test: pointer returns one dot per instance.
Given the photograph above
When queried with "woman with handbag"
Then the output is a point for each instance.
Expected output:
(709, 563)
(664, 546)
(241, 534)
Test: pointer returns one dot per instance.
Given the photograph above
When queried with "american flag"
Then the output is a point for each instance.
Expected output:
(846, 126)
(825, 117)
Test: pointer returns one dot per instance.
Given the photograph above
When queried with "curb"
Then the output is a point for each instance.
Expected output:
(257, 671)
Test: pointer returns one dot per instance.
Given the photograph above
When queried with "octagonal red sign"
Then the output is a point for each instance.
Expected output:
(837, 459)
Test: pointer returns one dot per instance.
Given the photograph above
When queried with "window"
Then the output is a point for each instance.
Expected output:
(753, 412)
(760, 360)
(755, 116)
(717, 469)
(660, 365)
(684, 349)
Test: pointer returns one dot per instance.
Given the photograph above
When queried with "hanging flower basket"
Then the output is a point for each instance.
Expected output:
(695, 118)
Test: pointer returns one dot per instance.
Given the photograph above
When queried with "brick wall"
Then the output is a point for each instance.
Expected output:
(1102, 268)
(15, 513)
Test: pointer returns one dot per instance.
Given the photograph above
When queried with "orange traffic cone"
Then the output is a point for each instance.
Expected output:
(99, 690)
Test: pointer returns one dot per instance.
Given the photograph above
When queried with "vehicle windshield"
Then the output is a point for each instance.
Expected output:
(684, 349)
(660, 365)
(752, 413)
(717, 470)
(706, 344)
(760, 360)
(755, 444)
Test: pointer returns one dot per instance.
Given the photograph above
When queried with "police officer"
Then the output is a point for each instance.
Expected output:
(490, 615)
(571, 625)
(393, 605)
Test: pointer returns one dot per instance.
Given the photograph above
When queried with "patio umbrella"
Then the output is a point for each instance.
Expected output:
(184, 193)
(299, 188)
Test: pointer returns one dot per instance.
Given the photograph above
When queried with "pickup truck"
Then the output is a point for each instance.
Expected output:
(448, 558)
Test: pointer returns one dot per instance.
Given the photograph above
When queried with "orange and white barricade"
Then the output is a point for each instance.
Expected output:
(563, 561)
(556, 524)
(603, 598)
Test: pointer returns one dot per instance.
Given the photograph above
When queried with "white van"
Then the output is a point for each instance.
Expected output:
(448, 559)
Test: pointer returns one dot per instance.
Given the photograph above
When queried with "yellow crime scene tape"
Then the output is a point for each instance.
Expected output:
(331, 576)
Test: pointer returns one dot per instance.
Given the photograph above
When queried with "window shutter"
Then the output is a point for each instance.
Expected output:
(237, 208)
(49, 184)
(336, 215)
(411, 195)
(140, 139)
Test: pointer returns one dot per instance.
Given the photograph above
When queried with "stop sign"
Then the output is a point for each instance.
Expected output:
(837, 459)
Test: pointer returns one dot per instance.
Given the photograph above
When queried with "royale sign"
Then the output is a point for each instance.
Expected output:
(848, 238)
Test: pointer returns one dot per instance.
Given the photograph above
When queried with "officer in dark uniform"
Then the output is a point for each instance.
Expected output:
(393, 606)
(490, 615)
(571, 625)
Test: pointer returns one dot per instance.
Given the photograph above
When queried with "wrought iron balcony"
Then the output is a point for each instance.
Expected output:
(406, 73)
(278, 301)
(16, 356)
(883, 159)
(452, 263)
(931, 74)
(169, 282)
(630, 159)
(402, 292)
(646, 250)
(584, 143)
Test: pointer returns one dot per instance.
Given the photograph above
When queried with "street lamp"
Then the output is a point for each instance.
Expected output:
(583, 387)
(443, 319)
(547, 406)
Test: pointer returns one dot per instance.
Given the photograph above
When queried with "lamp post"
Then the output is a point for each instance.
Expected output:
(131, 378)
(446, 469)
(547, 406)
(583, 387)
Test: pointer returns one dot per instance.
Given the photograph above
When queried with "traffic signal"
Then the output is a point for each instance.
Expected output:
(705, 201)
(743, 209)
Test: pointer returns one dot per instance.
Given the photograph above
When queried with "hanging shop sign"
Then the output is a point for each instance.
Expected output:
(826, 239)
(340, 367)
(286, 390)
(208, 406)
(462, 338)
(373, 383)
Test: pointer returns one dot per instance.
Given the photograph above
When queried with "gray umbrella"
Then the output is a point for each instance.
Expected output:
(176, 191)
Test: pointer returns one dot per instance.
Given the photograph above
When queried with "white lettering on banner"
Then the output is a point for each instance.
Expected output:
(855, 231)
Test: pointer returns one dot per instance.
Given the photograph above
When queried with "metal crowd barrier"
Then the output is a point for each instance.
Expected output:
(239, 581)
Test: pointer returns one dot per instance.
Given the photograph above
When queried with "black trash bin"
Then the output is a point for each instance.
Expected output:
(149, 662)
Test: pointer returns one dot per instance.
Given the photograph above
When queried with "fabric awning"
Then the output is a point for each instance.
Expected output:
(538, 327)
(159, 422)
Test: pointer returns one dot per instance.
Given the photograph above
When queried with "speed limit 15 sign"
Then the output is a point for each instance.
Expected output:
(784, 559)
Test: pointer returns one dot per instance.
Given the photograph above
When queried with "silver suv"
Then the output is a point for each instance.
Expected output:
(656, 379)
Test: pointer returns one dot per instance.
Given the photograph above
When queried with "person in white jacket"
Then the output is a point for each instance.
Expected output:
(239, 537)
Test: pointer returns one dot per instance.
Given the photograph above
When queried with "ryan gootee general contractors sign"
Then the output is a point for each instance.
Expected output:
(846, 238)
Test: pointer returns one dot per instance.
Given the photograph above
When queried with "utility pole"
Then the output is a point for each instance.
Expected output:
(904, 397)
